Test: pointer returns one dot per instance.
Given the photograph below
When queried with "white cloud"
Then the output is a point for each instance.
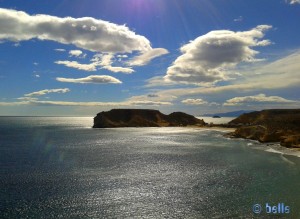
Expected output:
(260, 98)
(77, 53)
(19, 103)
(47, 91)
(214, 104)
(194, 102)
(86, 33)
(147, 56)
(99, 61)
(239, 19)
(27, 98)
(158, 81)
(118, 69)
(17, 44)
(283, 73)
(294, 1)
(103, 59)
(153, 97)
(113, 104)
(148, 103)
(60, 50)
(207, 59)
(74, 64)
(95, 79)
(122, 56)
(85, 104)
(106, 61)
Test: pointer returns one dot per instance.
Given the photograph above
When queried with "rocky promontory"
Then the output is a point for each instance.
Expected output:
(143, 118)
(275, 125)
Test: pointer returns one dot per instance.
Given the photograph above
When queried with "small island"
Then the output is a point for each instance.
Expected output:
(274, 125)
(116, 118)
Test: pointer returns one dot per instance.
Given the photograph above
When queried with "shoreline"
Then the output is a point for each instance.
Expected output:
(270, 147)
(213, 128)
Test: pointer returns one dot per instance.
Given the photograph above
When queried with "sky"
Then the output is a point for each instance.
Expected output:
(78, 58)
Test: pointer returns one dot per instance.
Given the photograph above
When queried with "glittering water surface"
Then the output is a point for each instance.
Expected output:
(61, 168)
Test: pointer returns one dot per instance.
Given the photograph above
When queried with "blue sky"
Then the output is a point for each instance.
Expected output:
(72, 57)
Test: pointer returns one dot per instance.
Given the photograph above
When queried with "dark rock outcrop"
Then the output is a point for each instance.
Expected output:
(143, 118)
(276, 125)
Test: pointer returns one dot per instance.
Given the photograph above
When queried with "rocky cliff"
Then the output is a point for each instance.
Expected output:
(276, 125)
(143, 118)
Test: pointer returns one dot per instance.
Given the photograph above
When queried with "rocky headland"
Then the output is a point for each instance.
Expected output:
(116, 118)
(275, 125)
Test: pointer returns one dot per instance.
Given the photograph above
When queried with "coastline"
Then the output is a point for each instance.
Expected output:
(273, 147)
(266, 126)
(214, 128)
(270, 147)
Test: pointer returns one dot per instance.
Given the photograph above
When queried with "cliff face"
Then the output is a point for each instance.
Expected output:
(278, 125)
(143, 118)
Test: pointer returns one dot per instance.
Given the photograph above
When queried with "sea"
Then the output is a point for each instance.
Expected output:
(221, 120)
(60, 167)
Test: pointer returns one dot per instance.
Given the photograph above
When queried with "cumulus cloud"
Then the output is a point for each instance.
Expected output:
(147, 56)
(208, 58)
(95, 79)
(194, 102)
(282, 73)
(260, 98)
(86, 33)
(47, 91)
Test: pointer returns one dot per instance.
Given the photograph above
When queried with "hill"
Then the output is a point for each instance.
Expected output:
(275, 125)
(143, 118)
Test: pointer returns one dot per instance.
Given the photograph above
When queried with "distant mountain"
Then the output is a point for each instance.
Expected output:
(230, 114)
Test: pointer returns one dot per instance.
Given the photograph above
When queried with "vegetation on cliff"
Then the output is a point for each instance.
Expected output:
(276, 125)
(143, 118)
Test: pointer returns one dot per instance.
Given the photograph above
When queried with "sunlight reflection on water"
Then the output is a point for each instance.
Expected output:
(59, 171)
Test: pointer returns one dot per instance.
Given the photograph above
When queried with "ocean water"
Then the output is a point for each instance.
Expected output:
(56, 167)
(221, 120)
